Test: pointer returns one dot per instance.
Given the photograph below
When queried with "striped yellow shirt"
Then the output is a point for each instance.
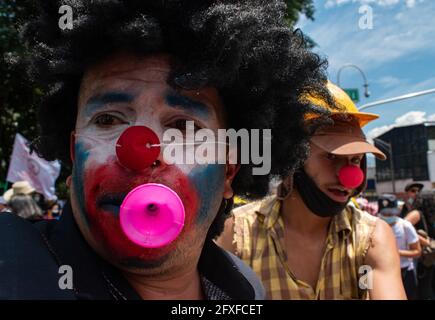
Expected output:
(259, 239)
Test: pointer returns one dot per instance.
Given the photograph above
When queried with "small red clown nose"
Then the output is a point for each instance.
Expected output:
(351, 176)
(137, 148)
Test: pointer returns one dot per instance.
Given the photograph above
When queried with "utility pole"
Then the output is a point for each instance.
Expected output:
(394, 99)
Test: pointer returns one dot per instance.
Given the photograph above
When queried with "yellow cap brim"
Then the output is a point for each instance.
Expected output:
(361, 117)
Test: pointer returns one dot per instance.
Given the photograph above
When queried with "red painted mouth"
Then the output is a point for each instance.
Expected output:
(105, 189)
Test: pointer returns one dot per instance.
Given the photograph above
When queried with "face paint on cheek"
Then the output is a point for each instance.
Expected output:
(81, 156)
(209, 182)
(101, 189)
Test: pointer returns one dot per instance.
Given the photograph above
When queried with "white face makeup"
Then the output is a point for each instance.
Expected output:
(119, 97)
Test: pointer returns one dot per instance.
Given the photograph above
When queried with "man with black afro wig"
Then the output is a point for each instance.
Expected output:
(126, 72)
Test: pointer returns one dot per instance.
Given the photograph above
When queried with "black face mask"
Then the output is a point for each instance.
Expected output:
(316, 200)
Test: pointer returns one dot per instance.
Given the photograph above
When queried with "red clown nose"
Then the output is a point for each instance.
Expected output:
(351, 176)
(137, 148)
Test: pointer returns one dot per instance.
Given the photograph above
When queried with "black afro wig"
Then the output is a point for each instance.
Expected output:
(244, 48)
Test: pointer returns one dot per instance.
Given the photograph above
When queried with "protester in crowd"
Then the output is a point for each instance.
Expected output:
(3, 205)
(417, 210)
(19, 188)
(423, 219)
(411, 192)
(25, 207)
(137, 69)
(407, 241)
(366, 205)
(307, 242)
(53, 211)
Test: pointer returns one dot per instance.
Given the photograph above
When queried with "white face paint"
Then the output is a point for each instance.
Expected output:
(114, 99)
(130, 91)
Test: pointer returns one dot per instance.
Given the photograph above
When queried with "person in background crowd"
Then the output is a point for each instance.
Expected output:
(423, 218)
(3, 205)
(308, 242)
(53, 211)
(19, 187)
(412, 190)
(25, 207)
(417, 211)
(407, 241)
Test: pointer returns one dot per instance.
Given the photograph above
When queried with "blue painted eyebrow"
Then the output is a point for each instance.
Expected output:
(176, 100)
(101, 100)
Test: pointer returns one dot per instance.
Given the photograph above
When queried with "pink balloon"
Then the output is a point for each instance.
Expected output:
(152, 215)
(351, 176)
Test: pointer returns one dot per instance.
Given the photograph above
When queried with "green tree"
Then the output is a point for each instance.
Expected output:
(17, 95)
(297, 7)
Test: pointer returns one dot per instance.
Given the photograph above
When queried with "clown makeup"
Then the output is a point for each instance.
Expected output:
(324, 167)
(129, 91)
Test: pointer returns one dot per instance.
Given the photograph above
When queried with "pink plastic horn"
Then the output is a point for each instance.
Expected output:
(152, 215)
(137, 148)
(351, 176)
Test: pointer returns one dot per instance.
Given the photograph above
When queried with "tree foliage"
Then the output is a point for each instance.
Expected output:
(17, 96)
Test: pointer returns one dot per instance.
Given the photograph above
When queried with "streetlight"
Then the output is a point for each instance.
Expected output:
(365, 85)
(399, 98)
(388, 146)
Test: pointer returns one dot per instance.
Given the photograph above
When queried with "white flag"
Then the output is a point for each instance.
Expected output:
(40, 173)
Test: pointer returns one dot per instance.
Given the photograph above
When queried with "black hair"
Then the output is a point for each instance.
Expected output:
(425, 203)
(244, 48)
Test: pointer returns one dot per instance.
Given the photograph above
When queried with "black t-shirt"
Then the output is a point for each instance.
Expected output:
(32, 253)
(404, 211)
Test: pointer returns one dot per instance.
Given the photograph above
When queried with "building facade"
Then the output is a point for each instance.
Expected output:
(413, 157)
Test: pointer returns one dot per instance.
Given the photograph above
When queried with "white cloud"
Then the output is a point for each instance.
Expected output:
(383, 3)
(405, 87)
(389, 81)
(410, 3)
(396, 34)
(376, 132)
(410, 118)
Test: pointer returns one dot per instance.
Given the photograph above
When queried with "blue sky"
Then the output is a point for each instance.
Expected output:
(397, 55)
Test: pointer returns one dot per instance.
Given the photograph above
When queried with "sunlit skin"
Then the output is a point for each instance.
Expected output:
(326, 178)
(305, 233)
(123, 91)
(310, 231)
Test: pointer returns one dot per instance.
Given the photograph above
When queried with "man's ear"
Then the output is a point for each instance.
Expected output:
(68, 181)
(230, 172)
(72, 143)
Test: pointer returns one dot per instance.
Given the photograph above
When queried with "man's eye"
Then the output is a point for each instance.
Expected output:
(356, 161)
(331, 156)
(181, 125)
(106, 120)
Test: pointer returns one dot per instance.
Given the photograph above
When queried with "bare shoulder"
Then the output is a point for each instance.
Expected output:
(383, 258)
(382, 245)
(413, 217)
